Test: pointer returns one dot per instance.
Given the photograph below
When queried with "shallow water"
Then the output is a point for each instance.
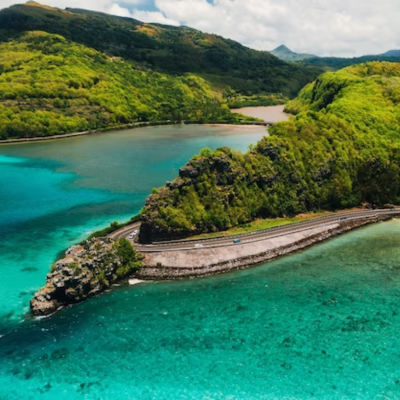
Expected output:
(54, 193)
(321, 324)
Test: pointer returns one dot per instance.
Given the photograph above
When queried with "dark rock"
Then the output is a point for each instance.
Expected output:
(270, 151)
(84, 272)
(188, 171)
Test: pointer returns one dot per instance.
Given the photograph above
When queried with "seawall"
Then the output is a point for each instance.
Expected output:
(205, 262)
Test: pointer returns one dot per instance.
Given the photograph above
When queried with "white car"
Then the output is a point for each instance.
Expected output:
(198, 246)
(133, 234)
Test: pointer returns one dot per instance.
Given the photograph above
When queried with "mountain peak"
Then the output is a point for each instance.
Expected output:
(285, 54)
(284, 48)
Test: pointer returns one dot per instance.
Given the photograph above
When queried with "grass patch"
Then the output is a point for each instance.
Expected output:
(261, 224)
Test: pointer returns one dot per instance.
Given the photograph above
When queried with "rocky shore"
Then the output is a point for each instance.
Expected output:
(86, 271)
(93, 267)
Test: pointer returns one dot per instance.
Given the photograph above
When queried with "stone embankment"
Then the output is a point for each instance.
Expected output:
(93, 267)
(211, 261)
(86, 271)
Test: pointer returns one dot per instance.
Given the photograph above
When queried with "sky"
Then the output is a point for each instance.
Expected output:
(341, 28)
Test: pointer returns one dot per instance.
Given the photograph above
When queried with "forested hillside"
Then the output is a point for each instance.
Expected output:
(49, 86)
(335, 63)
(170, 49)
(341, 149)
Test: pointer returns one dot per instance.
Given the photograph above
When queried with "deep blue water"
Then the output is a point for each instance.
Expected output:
(320, 324)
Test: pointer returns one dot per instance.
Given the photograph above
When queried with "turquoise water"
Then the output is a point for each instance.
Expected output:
(53, 194)
(320, 324)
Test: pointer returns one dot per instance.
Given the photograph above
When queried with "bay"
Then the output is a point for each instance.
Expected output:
(55, 193)
(322, 323)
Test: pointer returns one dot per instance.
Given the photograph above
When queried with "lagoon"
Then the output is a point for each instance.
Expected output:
(321, 324)
(55, 193)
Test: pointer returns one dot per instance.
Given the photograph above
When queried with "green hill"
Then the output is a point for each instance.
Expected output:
(173, 50)
(341, 149)
(49, 86)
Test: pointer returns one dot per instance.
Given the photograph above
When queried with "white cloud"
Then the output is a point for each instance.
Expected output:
(116, 9)
(336, 27)
(154, 16)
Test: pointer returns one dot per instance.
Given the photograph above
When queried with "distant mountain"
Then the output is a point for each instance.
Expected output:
(285, 54)
(332, 63)
(168, 49)
(335, 63)
(392, 53)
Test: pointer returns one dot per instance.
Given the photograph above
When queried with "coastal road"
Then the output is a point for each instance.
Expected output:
(225, 241)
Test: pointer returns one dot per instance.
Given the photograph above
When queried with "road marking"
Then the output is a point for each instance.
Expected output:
(263, 234)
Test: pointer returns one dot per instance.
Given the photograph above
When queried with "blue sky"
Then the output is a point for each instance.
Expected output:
(321, 27)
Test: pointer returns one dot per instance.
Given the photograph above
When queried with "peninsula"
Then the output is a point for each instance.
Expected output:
(340, 150)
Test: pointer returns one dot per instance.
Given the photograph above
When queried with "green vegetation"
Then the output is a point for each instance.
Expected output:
(50, 86)
(131, 259)
(114, 226)
(261, 224)
(102, 277)
(67, 71)
(341, 149)
(121, 252)
(335, 63)
(238, 101)
(168, 49)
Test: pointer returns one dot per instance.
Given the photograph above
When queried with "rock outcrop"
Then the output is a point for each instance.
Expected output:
(85, 271)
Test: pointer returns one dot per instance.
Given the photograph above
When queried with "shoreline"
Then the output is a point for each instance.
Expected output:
(184, 265)
(122, 127)
(210, 262)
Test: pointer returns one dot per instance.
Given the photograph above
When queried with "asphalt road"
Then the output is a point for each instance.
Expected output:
(255, 236)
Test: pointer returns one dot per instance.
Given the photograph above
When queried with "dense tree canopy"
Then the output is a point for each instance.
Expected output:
(168, 49)
(341, 149)
(49, 86)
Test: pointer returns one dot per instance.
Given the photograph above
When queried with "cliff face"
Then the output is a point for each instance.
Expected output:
(85, 271)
